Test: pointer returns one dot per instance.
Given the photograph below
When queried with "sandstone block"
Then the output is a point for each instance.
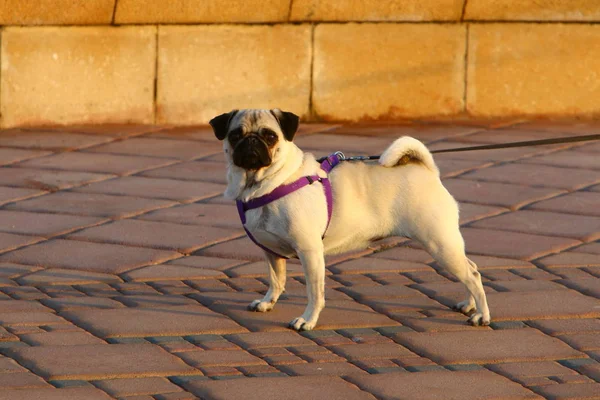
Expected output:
(56, 12)
(388, 71)
(207, 70)
(374, 10)
(72, 75)
(532, 10)
(200, 11)
(533, 69)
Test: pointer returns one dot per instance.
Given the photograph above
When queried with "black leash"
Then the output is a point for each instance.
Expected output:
(526, 143)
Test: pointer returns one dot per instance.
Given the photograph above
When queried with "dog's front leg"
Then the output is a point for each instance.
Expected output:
(277, 271)
(313, 263)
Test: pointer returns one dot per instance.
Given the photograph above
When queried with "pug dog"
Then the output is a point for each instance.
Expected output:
(401, 195)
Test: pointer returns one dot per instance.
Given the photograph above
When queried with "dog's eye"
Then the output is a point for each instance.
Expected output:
(269, 136)
(234, 136)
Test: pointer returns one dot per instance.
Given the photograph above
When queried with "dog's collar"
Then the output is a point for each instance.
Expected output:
(281, 191)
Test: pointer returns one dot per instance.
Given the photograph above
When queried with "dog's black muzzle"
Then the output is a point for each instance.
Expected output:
(251, 153)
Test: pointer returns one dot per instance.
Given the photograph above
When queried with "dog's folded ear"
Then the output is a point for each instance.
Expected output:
(287, 121)
(220, 124)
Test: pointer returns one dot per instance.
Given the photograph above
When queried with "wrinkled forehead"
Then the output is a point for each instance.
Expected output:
(253, 120)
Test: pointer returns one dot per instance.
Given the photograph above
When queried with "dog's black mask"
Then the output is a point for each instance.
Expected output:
(251, 153)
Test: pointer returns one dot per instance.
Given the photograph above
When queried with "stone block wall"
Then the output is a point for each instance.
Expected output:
(180, 62)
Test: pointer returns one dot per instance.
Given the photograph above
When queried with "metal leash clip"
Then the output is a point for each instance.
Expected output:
(340, 155)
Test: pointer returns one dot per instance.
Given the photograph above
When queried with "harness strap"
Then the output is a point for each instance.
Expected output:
(327, 165)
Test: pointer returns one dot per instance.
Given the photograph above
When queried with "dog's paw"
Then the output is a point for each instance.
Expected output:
(300, 324)
(466, 307)
(260, 306)
(478, 319)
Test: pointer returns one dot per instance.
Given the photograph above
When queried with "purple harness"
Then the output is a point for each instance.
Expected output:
(283, 190)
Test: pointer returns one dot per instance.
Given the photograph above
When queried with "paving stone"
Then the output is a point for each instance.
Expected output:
(486, 346)
(62, 291)
(569, 391)
(473, 212)
(55, 141)
(13, 155)
(220, 358)
(60, 276)
(155, 301)
(508, 195)
(24, 293)
(60, 339)
(569, 258)
(6, 336)
(512, 244)
(92, 204)
(96, 257)
(21, 380)
(295, 388)
(155, 188)
(91, 362)
(338, 314)
(155, 147)
(507, 325)
(435, 324)
(537, 176)
(176, 396)
(176, 272)
(197, 214)
(592, 248)
(8, 365)
(29, 318)
(47, 180)
(404, 253)
(485, 263)
(372, 351)
(535, 274)
(582, 341)
(588, 286)
(259, 340)
(584, 203)
(23, 306)
(441, 384)
(591, 370)
(136, 386)
(53, 394)
(362, 293)
(27, 223)
(556, 327)
(320, 369)
(161, 235)
(209, 285)
(10, 194)
(206, 171)
(524, 286)
(542, 305)
(545, 223)
(101, 163)
(520, 370)
(368, 265)
(239, 249)
(159, 321)
(260, 270)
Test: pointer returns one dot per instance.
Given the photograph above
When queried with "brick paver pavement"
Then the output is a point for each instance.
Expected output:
(124, 274)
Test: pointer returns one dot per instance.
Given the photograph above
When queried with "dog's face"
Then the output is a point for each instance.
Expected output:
(253, 138)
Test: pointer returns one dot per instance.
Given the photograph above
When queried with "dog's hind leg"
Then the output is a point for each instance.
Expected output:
(277, 272)
(447, 248)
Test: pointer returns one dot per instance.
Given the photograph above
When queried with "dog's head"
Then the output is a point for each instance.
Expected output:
(254, 137)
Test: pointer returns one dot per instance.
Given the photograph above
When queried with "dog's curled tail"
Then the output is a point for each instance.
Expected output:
(405, 149)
